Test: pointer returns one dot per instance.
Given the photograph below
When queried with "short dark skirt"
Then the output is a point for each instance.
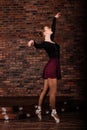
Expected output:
(52, 69)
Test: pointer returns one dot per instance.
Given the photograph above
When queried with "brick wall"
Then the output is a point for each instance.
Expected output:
(21, 66)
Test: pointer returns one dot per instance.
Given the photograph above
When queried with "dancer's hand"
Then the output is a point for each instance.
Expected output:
(58, 15)
(31, 43)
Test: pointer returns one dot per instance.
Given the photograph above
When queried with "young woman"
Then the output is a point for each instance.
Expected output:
(51, 72)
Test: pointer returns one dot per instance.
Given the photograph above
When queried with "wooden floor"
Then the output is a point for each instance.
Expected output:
(69, 121)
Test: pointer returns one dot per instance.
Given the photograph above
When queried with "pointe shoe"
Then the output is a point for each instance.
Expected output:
(38, 113)
(55, 116)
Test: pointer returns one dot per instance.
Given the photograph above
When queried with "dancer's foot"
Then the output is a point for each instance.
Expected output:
(55, 116)
(38, 113)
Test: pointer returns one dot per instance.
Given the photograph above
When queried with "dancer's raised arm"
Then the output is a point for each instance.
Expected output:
(53, 27)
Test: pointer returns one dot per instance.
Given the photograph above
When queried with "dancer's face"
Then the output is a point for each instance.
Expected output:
(47, 30)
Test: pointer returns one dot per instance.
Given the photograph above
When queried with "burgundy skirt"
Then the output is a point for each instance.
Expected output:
(52, 69)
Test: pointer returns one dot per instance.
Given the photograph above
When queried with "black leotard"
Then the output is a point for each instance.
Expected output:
(52, 49)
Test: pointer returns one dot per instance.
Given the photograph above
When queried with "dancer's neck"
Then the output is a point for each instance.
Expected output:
(48, 39)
